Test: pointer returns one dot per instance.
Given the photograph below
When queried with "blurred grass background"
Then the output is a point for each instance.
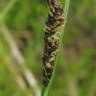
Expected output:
(76, 72)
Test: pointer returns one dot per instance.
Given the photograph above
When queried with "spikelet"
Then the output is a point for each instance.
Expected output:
(52, 37)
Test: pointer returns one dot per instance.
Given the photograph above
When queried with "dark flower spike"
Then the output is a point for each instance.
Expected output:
(52, 38)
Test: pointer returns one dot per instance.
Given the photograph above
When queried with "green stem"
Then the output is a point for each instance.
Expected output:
(46, 89)
(67, 3)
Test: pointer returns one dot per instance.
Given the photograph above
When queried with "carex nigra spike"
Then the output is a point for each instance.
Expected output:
(52, 37)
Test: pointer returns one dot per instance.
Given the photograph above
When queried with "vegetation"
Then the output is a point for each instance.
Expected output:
(22, 24)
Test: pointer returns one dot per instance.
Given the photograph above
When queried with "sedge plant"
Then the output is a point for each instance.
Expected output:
(57, 18)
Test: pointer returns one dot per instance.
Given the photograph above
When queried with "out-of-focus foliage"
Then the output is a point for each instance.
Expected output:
(76, 71)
